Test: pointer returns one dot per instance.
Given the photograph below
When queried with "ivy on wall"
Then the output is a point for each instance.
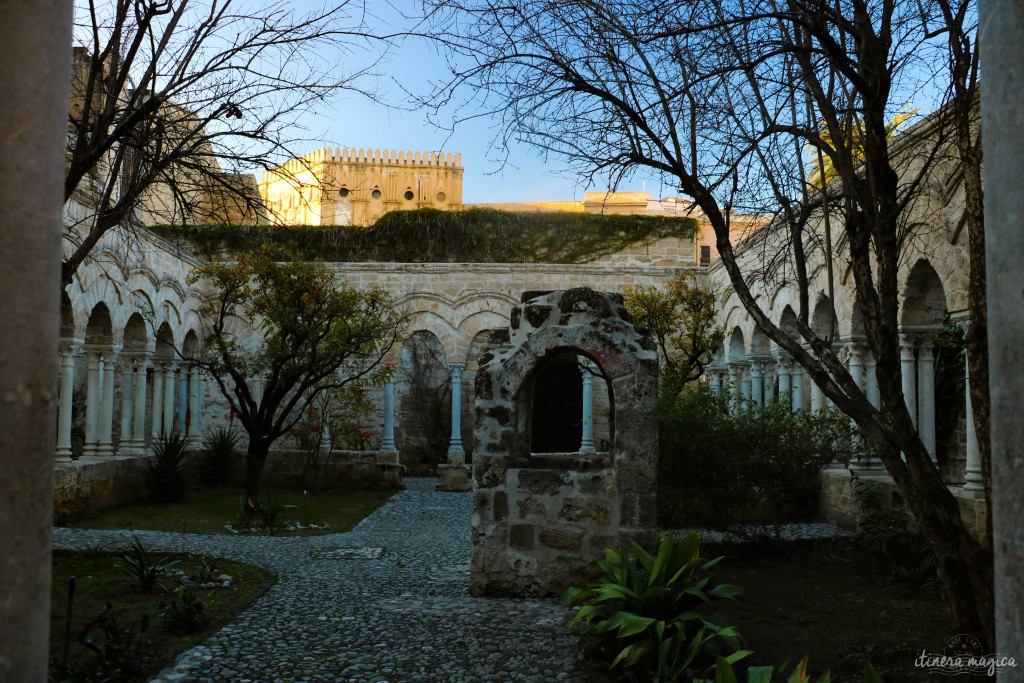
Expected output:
(476, 235)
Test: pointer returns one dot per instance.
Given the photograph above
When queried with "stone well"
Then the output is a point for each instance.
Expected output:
(540, 520)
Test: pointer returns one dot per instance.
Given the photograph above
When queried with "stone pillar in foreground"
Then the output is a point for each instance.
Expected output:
(94, 378)
(454, 475)
(195, 402)
(168, 402)
(35, 51)
(1001, 38)
(757, 381)
(124, 444)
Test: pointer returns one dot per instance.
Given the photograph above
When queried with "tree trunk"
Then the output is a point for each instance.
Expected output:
(255, 459)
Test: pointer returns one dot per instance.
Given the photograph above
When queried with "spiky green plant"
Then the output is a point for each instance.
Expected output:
(643, 614)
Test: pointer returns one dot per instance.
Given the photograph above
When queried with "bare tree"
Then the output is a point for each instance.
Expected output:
(732, 100)
(175, 102)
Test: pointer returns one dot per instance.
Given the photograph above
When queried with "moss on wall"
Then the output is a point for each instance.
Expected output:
(432, 236)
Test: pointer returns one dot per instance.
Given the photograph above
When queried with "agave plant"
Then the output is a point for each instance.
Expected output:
(220, 454)
(170, 474)
(143, 568)
(643, 615)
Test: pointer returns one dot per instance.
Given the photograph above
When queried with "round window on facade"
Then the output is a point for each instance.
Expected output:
(343, 192)
(375, 194)
(408, 195)
(441, 196)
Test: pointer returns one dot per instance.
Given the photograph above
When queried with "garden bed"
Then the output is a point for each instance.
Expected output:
(210, 510)
(139, 654)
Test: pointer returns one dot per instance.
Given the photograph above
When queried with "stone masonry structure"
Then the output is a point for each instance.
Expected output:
(541, 519)
(356, 187)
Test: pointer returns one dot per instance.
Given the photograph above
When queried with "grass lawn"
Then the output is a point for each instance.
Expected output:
(206, 511)
(100, 580)
(822, 599)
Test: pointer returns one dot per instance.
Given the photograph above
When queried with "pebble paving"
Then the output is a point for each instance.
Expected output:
(388, 601)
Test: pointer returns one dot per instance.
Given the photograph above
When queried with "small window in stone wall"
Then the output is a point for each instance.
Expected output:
(441, 196)
(409, 195)
(705, 255)
(343, 192)
(376, 193)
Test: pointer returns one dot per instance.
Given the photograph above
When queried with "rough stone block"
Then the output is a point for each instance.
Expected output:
(561, 538)
(576, 509)
(522, 536)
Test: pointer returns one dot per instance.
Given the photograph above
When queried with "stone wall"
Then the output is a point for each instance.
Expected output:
(839, 505)
(540, 520)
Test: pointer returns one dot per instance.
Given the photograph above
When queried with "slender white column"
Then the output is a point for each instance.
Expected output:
(744, 388)
(817, 395)
(168, 421)
(105, 447)
(871, 380)
(587, 440)
(183, 402)
(124, 444)
(456, 455)
(257, 388)
(158, 399)
(734, 387)
(195, 401)
(926, 394)
(92, 403)
(139, 421)
(388, 440)
(784, 369)
(757, 381)
(797, 386)
(855, 364)
(769, 381)
(907, 367)
(716, 380)
(65, 405)
(974, 479)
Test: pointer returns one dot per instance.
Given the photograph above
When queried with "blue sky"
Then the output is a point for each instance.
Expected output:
(353, 120)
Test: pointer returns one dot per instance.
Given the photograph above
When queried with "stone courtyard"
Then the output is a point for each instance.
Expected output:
(388, 601)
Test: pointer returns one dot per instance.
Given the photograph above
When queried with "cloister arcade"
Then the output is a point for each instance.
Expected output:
(751, 368)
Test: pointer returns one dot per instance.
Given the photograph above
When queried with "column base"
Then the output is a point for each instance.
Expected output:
(871, 467)
(454, 478)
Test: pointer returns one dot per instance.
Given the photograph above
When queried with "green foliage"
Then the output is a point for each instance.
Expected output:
(753, 465)
(185, 615)
(170, 475)
(262, 512)
(220, 455)
(140, 566)
(476, 235)
(683, 322)
(724, 673)
(642, 616)
(890, 538)
(120, 658)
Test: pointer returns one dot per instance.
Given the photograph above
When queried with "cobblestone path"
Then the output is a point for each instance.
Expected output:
(387, 601)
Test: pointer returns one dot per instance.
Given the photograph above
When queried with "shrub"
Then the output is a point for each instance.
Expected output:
(220, 454)
(170, 475)
(263, 513)
(141, 566)
(642, 616)
(184, 616)
(893, 541)
(756, 465)
(122, 657)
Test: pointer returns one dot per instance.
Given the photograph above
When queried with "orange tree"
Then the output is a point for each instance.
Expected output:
(289, 323)
(682, 320)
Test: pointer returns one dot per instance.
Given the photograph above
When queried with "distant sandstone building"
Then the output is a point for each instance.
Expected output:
(350, 187)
